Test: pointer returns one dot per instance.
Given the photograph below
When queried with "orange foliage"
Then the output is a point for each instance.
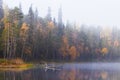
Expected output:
(23, 31)
(51, 25)
(65, 46)
(73, 52)
(24, 27)
(104, 51)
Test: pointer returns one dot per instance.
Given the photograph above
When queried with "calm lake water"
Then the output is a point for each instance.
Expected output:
(70, 71)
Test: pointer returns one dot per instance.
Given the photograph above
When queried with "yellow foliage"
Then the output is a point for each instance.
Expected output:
(104, 51)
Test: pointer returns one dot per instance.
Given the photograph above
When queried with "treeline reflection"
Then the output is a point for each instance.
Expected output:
(65, 74)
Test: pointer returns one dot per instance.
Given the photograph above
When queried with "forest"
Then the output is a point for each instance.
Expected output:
(34, 38)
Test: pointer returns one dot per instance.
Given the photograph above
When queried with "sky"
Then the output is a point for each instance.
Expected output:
(89, 12)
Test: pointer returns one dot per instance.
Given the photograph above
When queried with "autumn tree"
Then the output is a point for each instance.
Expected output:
(31, 30)
(23, 39)
(10, 33)
(64, 50)
(73, 52)
(104, 51)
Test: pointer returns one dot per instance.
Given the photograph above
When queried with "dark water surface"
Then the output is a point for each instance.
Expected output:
(70, 71)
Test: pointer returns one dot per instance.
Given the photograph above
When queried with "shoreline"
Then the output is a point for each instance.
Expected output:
(16, 66)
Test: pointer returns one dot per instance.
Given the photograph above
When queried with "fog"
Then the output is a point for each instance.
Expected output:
(90, 12)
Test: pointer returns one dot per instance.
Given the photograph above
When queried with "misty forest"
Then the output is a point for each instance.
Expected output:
(33, 38)
(33, 47)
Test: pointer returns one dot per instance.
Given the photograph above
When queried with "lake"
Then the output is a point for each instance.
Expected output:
(69, 71)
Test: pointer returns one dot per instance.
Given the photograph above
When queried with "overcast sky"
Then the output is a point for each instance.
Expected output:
(90, 12)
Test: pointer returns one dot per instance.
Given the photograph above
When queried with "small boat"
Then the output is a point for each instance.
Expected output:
(52, 67)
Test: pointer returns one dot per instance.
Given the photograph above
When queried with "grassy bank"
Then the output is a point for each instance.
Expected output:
(14, 63)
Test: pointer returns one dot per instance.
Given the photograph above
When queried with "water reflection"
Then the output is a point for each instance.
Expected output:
(83, 75)
(71, 73)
